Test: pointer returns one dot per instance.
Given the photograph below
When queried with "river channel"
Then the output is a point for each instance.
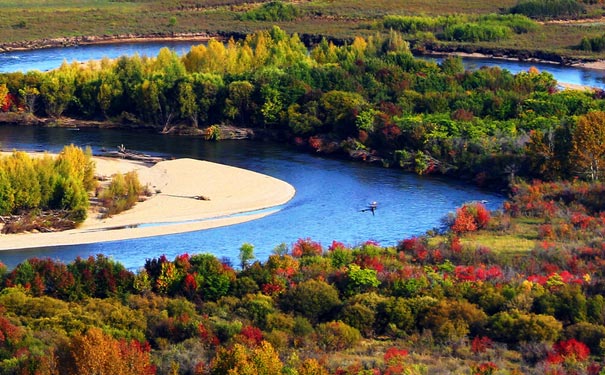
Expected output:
(329, 196)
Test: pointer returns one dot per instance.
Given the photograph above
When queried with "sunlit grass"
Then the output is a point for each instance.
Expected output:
(500, 244)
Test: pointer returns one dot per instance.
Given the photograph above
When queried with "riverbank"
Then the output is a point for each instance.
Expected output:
(232, 195)
(103, 39)
(508, 54)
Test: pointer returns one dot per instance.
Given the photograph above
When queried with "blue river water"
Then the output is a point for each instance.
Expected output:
(329, 196)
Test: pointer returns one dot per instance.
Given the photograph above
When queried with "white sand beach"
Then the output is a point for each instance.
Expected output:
(173, 208)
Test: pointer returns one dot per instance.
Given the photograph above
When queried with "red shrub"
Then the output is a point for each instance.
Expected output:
(455, 245)
(306, 247)
(273, 289)
(464, 221)
(251, 335)
(567, 350)
(336, 245)
(394, 355)
(190, 285)
(545, 231)
(481, 215)
(481, 344)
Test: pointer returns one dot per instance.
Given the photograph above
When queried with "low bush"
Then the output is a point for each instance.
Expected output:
(121, 194)
(272, 11)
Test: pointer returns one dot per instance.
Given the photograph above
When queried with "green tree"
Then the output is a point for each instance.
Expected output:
(238, 105)
(189, 107)
(361, 280)
(24, 181)
(340, 109)
(246, 254)
(7, 195)
(29, 96)
(57, 89)
(314, 299)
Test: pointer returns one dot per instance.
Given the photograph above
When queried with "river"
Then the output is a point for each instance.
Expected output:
(329, 196)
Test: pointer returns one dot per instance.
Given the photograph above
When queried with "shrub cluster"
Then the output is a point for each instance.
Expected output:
(540, 310)
(274, 11)
(548, 9)
(596, 44)
(370, 99)
(463, 28)
(121, 194)
(46, 183)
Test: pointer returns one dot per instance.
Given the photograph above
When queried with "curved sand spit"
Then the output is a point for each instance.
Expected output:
(174, 208)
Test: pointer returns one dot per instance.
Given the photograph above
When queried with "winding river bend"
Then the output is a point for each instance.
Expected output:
(329, 196)
(330, 193)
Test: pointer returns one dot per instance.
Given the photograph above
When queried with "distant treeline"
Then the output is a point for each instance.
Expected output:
(370, 98)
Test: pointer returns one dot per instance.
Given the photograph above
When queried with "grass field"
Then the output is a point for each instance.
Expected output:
(30, 20)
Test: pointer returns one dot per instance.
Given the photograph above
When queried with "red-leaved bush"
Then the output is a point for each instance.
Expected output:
(470, 217)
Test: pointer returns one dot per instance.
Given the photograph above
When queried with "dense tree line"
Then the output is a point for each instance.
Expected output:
(369, 98)
(462, 28)
(47, 183)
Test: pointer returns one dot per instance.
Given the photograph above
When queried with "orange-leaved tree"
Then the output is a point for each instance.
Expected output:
(588, 144)
(96, 353)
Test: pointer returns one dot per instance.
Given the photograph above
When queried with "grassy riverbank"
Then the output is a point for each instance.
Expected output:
(35, 20)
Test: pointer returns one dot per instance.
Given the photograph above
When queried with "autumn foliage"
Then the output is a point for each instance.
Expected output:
(196, 314)
(470, 217)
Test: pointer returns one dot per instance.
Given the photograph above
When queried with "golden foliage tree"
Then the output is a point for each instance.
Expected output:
(240, 360)
(588, 144)
(95, 353)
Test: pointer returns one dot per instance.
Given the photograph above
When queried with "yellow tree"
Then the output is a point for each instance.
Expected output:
(3, 94)
(240, 360)
(95, 353)
(588, 144)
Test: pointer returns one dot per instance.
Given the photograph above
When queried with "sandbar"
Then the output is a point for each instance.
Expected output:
(234, 196)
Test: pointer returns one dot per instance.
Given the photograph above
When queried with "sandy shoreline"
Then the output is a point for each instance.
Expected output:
(236, 195)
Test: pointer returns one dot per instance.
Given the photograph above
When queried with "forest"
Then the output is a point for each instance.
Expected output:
(514, 291)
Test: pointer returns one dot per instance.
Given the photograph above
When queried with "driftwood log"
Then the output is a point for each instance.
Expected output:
(124, 153)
